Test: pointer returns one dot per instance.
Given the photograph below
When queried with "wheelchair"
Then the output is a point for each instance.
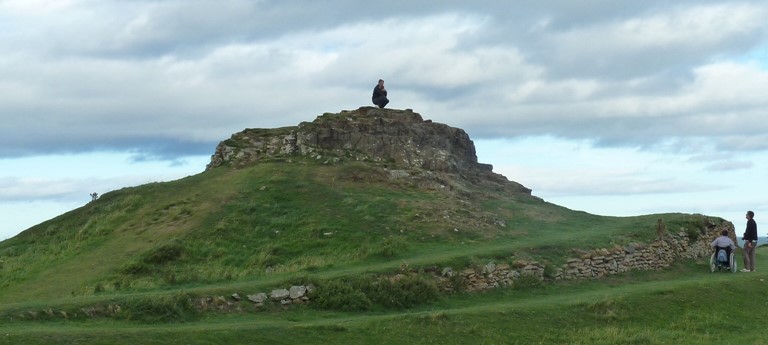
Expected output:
(720, 259)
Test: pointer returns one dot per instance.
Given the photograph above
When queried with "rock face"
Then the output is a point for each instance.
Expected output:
(402, 139)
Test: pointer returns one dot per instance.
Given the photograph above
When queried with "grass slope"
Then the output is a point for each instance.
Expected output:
(685, 305)
(279, 222)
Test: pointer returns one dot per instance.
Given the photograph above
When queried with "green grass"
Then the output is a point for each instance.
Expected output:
(681, 305)
(151, 248)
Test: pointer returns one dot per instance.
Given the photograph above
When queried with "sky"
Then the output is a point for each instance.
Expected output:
(616, 108)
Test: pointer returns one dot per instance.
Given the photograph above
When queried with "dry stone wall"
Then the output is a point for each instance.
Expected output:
(593, 264)
(297, 294)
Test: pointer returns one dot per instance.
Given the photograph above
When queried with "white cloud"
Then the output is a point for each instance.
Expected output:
(676, 89)
(703, 26)
(201, 87)
(35, 6)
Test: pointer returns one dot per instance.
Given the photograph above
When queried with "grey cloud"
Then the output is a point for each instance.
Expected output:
(19, 189)
(618, 185)
(165, 78)
(14, 189)
(658, 41)
(730, 166)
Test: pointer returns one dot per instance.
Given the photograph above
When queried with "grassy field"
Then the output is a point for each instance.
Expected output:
(683, 305)
(152, 248)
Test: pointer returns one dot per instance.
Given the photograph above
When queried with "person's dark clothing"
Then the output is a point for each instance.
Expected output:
(379, 96)
(751, 233)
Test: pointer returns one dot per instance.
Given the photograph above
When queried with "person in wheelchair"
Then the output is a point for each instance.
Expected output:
(723, 242)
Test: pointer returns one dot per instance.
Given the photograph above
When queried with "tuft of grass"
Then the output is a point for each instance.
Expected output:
(366, 292)
(163, 308)
(340, 295)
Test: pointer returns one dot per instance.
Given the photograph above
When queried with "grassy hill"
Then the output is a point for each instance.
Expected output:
(145, 253)
(280, 218)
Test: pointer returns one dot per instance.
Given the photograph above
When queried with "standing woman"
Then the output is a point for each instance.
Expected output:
(380, 94)
(750, 242)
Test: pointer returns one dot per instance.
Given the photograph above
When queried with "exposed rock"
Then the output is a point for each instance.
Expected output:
(489, 267)
(296, 292)
(258, 298)
(279, 294)
(396, 137)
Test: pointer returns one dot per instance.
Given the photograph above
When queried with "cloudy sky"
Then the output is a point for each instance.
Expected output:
(611, 107)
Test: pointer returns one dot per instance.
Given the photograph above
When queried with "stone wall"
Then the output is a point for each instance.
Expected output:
(298, 294)
(597, 263)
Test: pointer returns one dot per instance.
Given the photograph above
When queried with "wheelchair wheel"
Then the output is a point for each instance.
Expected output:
(712, 263)
(734, 265)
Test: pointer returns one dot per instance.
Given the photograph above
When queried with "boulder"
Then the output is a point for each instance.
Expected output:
(279, 294)
(297, 292)
(258, 298)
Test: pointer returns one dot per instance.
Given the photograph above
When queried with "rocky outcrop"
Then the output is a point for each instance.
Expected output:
(400, 140)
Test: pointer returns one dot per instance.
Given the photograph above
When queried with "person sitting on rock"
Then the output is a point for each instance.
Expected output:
(723, 242)
(380, 94)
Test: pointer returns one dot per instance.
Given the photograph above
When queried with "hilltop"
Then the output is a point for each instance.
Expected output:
(401, 141)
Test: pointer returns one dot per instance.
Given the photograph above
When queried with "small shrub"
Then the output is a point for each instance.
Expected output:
(405, 292)
(458, 283)
(549, 271)
(693, 233)
(341, 296)
(527, 281)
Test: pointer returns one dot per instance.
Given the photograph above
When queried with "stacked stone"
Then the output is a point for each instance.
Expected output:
(591, 265)
(294, 295)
